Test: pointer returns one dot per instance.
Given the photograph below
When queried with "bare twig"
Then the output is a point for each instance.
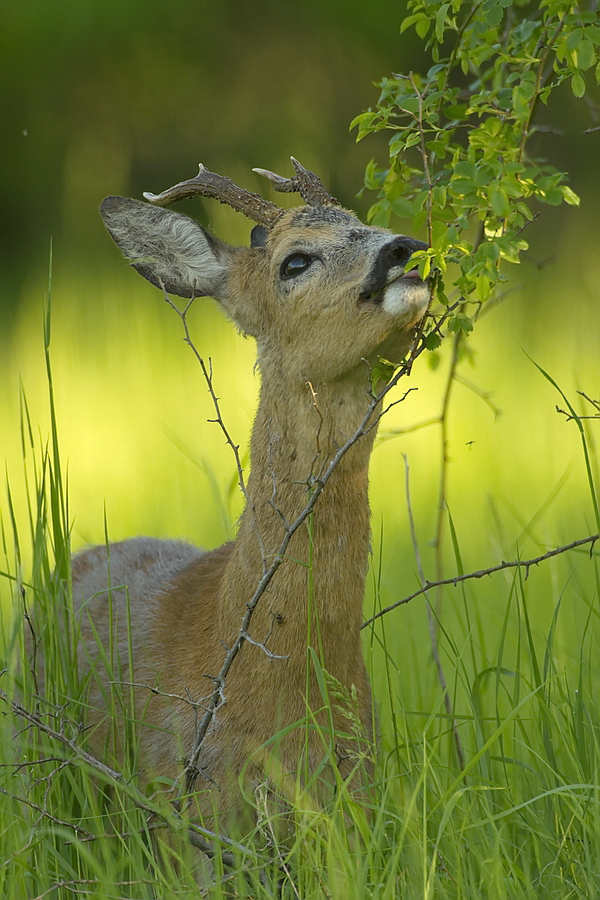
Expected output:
(71, 743)
(369, 421)
(481, 573)
(218, 420)
(195, 704)
(595, 403)
(75, 883)
(264, 648)
(45, 814)
(199, 837)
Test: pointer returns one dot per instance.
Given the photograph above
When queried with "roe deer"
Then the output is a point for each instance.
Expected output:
(325, 297)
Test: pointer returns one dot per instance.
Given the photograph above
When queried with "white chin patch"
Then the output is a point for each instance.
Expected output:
(406, 301)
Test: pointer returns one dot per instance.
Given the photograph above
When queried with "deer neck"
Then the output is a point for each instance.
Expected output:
(319, 587)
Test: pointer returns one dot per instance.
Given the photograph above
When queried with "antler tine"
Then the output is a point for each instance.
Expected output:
(223, 189)
(307, 184)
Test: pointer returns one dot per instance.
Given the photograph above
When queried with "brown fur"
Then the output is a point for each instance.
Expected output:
(318, 339)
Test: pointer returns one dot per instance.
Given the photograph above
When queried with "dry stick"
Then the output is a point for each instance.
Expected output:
(419, 121)
(207, 372)
(201, 838)
(431, 622)
(78, 882)
(218, 420)
(83, 834)
(37, 721)
(192, 769)
(481, 573)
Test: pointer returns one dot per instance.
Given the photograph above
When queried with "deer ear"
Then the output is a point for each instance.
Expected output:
(172, 251)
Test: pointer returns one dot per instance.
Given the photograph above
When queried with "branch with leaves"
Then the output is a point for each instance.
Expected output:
(460, 164)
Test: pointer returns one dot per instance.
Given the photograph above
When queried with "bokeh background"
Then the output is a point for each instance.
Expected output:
(104, 97)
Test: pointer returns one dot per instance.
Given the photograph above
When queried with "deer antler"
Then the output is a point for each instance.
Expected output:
(307, 184)
(223, 189)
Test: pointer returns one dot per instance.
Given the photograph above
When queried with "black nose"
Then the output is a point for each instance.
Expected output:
(395, 253)
(399, 251)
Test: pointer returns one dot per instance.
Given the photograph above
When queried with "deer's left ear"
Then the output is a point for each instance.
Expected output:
(172, 251)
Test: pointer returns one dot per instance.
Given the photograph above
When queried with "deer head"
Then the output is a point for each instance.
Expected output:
(323, 294)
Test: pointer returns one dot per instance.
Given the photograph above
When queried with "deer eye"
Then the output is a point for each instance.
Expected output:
(295, 264)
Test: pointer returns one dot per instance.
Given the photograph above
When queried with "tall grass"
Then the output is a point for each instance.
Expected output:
(519, 651)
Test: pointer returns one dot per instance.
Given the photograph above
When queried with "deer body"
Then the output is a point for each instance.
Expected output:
(325, 297)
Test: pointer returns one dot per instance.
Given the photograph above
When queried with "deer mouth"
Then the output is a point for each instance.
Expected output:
(412, 274)
(376, 293)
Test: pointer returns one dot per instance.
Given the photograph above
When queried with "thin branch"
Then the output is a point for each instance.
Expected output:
(75, 883)
(207, 372)
(425, 159)
(82, 832)
(481, 573)
(370, 419)
(195, 704)
(37, 721)
(571, 418)
(409, 429)
(199, 837)
(594, 403)
(218, 420)
(264, 649)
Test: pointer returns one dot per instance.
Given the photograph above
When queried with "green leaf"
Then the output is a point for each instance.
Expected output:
(569, 196)
(366, 123)
(440, 21)
(456, 111)
(460, 323)
(493, 12)
(422, 27)
(592, 33)
(586, 55)
(434, 361)
(574, 38)
(499, 201)
(578, 84)
(381, 371)
(412, 20)
(403, 207)
(379, 214)
(371, 173)
(432, 340)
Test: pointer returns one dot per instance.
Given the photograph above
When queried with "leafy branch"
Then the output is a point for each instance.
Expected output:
(459, 162)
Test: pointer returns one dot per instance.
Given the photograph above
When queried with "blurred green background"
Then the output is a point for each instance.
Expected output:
(105, 97)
